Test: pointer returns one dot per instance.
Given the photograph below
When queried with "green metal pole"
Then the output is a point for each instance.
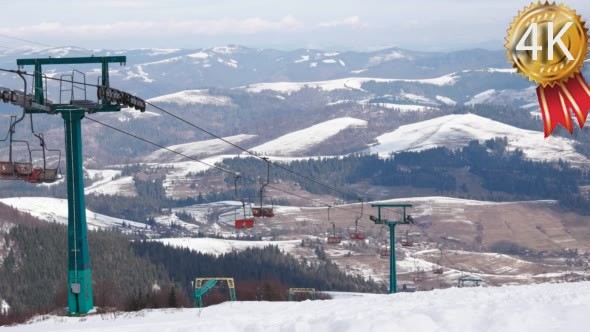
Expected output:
(392, 267)
(79, 272)
(38, 85)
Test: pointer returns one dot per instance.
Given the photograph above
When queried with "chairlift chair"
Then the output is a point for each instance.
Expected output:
(355, 232)
(406, 241)
(438, 269)
(384, 251)
(246, 221)
(24, 170)
(333, 236)
(47, 175)
(264, 210)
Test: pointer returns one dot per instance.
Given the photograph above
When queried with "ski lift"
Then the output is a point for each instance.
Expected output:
(9, 169)
(406, 241)
(264, 210)
(438, 269)
(333, 237)
(245, 222)
(418, 272)
(24, 170)
(46, 175)
(385, 249)
(355, 232)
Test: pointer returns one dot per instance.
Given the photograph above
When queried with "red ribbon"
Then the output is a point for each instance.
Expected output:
(559, 100)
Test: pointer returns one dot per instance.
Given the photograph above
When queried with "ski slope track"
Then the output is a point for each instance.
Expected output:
(539, 308)
(457, 130)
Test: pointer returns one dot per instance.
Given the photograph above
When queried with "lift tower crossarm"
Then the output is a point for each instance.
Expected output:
(38, 74)
(391, 224)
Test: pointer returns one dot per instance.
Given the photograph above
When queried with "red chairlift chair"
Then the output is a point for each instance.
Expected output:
(246, 221)
(384, 252)
(355, 232)
(333, 237)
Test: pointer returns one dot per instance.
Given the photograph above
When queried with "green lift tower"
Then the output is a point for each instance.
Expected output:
(406, 219)
(72, 112)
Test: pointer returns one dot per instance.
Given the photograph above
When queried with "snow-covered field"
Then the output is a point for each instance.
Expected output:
(304, 139)
(196, 149)
(454, 131)
(56, 210)
(343, 83)
(222, 246)
(107, 186)
(193, 97)
(539, 308)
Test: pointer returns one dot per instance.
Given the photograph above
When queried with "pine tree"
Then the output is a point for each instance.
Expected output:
(172, 303)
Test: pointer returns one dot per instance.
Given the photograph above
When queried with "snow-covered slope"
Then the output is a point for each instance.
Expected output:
(222, 246)
(454, 131)
(192, 97)
(343, 83)
(56, 210)
(196, 149)
(302, 140)
(539, 308)
(108, 184)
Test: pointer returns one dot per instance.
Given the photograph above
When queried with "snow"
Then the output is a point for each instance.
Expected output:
(127, 114)
(481, 98)
(539, 308)
(122, 186)
(196, 149)
(304, 139)
(199, 55)
(56, 210)
(360, 71)
(454, 131)
(344, 83)
(192, 97)
(221, 246)
(446, 100)
(4, 307)
(506, 97)
(329, 54)
(107, 186)
(501, 70)
(403, 107)
(416, 98)
(302, 59)
(225, 49)
(329, 61)
(388, 57)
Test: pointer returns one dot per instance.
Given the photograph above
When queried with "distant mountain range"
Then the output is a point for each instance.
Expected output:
(301, 103)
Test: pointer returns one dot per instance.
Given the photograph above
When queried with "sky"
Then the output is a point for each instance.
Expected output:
(428, 25)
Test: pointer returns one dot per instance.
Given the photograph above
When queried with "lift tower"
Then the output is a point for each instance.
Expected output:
(79, 272)
(406, 219)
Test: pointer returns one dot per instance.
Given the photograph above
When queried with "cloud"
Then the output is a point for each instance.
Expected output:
(348, 21)
(224, 26)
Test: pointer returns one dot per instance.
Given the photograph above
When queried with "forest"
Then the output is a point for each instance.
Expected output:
(132, 275)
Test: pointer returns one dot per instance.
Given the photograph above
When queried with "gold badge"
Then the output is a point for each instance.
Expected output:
(548, 43)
